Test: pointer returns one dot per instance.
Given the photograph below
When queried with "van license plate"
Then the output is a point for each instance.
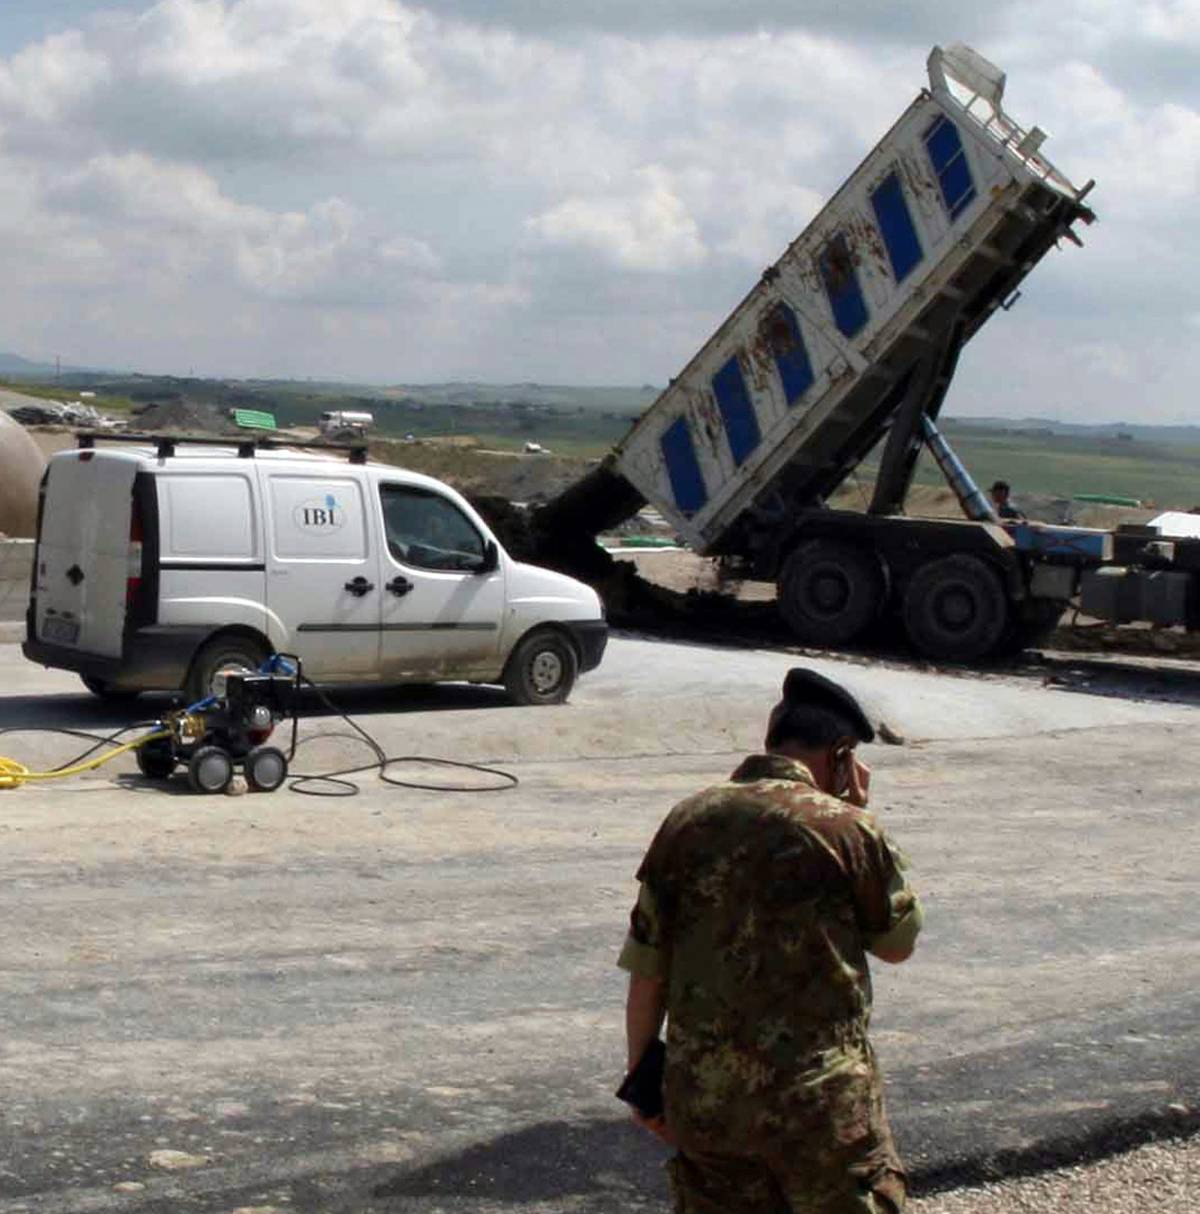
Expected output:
(66, 632)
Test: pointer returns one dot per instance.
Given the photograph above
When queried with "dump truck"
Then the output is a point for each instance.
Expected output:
(847, 346)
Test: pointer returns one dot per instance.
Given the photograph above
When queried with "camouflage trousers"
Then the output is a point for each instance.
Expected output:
(731, 1184)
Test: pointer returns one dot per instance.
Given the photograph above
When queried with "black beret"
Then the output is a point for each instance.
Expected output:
(806, 687)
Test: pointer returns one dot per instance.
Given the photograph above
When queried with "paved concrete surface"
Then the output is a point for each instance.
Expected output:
(16, 565)
(407, 1001)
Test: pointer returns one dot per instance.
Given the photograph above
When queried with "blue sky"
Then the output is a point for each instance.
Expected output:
(571, 192)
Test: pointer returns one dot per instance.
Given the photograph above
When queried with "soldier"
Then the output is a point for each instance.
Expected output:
(759, 899)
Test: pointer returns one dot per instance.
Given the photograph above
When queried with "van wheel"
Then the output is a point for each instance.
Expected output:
(217, 658)
(829, 592)
(955, 609)
(106, 691)
(541, 670)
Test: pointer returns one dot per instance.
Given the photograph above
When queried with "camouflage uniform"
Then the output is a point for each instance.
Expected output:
(758, 900)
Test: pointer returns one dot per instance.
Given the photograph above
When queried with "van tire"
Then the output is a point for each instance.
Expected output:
(542, 669)
(221, 653)
(106, 691)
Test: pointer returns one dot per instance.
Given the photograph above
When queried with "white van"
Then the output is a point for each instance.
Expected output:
(160, 567)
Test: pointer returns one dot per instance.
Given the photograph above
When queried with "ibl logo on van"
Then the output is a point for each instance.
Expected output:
(320, 514)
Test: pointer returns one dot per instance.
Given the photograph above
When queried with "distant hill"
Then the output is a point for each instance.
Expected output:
(16, 367)
(14, 364)
(1188, 435)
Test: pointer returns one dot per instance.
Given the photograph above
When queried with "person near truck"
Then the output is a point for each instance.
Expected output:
(1001, 503)
(759, 900)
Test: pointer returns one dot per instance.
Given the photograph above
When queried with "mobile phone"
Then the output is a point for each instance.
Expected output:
(643, 1086)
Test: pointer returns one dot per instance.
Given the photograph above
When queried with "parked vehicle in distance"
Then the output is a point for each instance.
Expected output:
(164, 563)
(343, 425)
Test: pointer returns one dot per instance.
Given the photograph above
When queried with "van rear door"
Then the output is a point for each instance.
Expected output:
(85, 554)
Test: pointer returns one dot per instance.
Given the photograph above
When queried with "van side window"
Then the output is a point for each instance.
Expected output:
(427, 531)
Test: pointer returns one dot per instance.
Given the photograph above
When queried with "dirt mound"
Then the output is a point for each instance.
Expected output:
(183, 417)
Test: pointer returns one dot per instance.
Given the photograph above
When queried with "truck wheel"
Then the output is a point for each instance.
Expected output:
(156, 760)
(266, 768)
(829, 592)
(215, 659)
(1032, 624)
(541, 670)
(106, 691)
(955, 609)
(210, 769)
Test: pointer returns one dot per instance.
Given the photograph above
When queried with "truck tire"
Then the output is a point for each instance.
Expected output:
(214, 658)
(829, 592)
(542, 669)
(955, 609)
(1031, 625)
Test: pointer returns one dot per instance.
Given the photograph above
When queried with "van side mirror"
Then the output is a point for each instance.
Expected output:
(490, 561)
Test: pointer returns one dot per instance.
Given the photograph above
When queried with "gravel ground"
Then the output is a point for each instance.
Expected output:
(1161, 1177)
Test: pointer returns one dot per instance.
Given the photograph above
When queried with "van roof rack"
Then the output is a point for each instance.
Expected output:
(165, 444)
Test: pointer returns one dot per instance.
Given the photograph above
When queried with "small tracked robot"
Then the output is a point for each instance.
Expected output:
(217, 736)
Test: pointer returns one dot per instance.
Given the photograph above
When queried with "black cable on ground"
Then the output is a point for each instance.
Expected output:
(334, 784)
(96, 739)
(338, 787)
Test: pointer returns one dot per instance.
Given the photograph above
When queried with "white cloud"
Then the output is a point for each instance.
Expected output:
(372, 187)
(649, 230)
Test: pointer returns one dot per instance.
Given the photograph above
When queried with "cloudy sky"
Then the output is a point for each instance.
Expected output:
(567, 191)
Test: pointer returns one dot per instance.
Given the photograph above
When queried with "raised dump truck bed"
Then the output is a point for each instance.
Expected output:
(858, 325)
(854, 334)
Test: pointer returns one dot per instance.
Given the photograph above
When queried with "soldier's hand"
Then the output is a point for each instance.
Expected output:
(656, 1126)
(858, 782)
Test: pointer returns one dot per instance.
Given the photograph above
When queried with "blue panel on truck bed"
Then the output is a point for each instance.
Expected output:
(896, 226)
(687, 483)
(791, 355)
(842, 287)
(950, 163)
(936, 226)
(737, 410)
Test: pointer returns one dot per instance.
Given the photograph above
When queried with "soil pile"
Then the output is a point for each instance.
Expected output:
(184, 417)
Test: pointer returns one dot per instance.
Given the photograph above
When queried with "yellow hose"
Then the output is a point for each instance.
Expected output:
(14, 774)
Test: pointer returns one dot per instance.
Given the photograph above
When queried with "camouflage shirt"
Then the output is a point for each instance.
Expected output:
(758, 900)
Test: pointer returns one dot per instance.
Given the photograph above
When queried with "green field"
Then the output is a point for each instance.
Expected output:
(1159, 474)
(1160, 467)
